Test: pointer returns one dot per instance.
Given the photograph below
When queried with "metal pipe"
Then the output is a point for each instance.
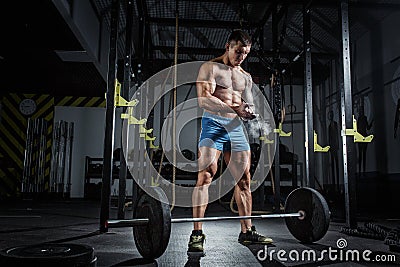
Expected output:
(110, 119)
(144, 221)
(346, 103)
(264, 216)
(125, 94)
(308, 100)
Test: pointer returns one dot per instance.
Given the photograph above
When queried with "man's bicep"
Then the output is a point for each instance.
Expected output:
(204, 89)
(204, 83)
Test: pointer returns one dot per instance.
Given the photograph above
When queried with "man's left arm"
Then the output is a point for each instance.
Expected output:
(248, 94)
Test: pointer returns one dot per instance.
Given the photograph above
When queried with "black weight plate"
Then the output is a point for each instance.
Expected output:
(317, 215)
(152, 239)
(52, 254)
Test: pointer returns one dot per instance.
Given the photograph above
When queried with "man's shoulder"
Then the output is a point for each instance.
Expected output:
(210, 63)
(245, 72)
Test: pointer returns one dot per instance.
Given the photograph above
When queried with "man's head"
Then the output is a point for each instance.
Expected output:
(237, 47)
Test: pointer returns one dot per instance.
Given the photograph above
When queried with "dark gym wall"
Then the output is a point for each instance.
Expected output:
(13, 127)
(377, 59)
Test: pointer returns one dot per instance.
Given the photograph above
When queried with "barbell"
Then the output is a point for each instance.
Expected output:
(307, 218)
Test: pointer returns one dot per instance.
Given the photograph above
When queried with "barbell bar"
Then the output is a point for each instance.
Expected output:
(307, 218)
(224, 218)
(145, 221)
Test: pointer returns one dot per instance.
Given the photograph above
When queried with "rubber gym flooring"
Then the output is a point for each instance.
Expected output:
(28, 222)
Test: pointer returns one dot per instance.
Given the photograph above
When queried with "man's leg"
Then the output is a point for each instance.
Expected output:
(208, 165)
(239, 166)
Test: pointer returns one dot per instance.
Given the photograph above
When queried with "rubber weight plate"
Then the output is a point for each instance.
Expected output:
(152, 239)
(51, 254)
(316, 219)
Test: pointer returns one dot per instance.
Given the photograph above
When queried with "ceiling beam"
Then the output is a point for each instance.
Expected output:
(326, 3)
(195, 23)
(217, 51)
(262, 23)
(296, 2)
(186, 50)
(332, 30)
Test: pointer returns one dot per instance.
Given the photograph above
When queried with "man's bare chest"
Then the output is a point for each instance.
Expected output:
(231, 79)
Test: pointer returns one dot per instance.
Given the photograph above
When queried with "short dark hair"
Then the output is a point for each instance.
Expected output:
(240, 35)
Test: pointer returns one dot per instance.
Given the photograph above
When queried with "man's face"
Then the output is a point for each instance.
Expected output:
(237, 52)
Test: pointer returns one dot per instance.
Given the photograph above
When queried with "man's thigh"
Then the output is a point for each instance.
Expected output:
(238, 163)
(208, 157)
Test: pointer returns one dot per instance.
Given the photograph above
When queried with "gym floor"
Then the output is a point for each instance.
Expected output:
(28, 222)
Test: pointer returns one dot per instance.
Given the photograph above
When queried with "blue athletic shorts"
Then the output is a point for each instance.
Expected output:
(224, 134)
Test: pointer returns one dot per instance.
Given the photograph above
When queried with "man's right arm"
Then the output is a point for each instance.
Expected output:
(205, 86)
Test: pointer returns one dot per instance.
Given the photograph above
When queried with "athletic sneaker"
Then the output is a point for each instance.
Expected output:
(195, 246)
(252, 237)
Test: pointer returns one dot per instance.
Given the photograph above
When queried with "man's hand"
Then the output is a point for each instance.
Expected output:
(244, 111)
